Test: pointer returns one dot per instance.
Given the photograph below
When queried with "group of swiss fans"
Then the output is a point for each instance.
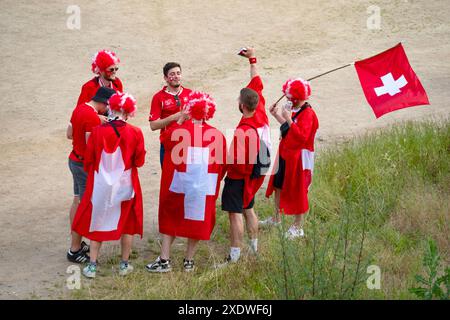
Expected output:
(194, 158)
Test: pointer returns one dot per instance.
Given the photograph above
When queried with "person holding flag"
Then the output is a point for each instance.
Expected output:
(193, 167)
(242, 182)
(293, 172)
(112, 207)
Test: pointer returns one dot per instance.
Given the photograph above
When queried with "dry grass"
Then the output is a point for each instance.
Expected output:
(376, 200)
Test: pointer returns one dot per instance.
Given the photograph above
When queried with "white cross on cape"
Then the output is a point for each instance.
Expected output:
(112, 186)
(196, 183)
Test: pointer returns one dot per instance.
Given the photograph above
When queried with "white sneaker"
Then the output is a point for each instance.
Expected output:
(159, 266)
(125, 269)
(294, 232)
(269, 222)
(90, 270)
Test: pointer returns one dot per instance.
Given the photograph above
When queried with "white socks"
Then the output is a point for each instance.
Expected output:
(235, 253)
(254, 245)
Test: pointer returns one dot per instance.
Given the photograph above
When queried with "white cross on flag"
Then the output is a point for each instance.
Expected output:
(389, 83)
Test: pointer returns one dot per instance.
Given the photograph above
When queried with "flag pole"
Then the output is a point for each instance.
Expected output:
(320, 75)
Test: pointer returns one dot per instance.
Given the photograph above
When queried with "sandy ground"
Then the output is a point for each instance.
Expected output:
(44, 65)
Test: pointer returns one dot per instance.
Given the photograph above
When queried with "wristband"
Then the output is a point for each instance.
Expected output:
(252, 60)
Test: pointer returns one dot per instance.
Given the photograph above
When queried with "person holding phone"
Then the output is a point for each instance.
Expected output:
(292, 175)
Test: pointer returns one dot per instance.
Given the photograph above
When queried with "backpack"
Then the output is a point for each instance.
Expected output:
(262, 165)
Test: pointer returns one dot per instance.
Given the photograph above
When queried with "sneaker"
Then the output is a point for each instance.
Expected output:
(85, 247)
(125, 269)
(90, 270)
(226, 262)
(188, 265)
(78, 257)
(294, 232)
(159, 266)
(269, 222)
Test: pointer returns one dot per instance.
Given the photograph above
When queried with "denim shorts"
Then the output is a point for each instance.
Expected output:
(79, 178)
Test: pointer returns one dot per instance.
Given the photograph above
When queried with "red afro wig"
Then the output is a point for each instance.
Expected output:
(200, 106)
(297, 89)
(103, 60)
(123, 102)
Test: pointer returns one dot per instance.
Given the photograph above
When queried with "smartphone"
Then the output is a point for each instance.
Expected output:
(288, 105)
(242, 51)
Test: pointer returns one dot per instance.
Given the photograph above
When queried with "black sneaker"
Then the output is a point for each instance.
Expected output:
(85, 247)
(159, 266)
(225, 263)
(188, 265)
(78, 257)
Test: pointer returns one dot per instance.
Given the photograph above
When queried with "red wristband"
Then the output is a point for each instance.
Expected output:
(252, 60)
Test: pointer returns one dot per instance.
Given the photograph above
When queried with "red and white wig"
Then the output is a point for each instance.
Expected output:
(297, 90)
(122, 104)
(200, 106)
(103, 60)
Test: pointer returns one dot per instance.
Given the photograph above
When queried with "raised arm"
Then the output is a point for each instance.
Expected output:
(250, 54)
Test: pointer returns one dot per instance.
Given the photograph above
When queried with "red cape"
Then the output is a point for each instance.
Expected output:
(112, 203)
(297, 149)
(89, 89)
(189, 189)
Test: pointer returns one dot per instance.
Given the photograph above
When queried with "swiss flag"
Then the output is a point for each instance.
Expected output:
(191, 173)
(389, 83)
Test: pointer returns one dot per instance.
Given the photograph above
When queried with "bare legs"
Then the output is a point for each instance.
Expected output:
(167, 242)
(76, 238)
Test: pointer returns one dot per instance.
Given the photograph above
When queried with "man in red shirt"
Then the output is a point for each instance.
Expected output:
(84, 118)
(240, 184)
(187, 206)
(105, 66)
(166, 105)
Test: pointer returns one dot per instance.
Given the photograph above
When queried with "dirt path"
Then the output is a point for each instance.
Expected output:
(45, 64)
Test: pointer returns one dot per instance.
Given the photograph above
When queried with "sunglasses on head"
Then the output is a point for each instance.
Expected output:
(177, 99)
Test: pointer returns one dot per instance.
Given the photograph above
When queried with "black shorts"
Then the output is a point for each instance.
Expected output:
(232, 196)
(278, 178)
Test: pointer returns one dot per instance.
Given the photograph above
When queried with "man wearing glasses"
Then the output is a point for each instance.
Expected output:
(105, 66)
(167, 104)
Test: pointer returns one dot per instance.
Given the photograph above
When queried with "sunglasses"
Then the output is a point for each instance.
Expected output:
(112, 69)
(177, 99)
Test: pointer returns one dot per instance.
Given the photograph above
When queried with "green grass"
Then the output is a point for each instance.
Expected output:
(375, 200)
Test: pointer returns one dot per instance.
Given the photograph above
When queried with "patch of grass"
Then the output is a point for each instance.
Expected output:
(376, 200)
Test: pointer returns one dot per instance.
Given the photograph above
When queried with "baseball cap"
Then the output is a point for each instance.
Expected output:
(103, 94)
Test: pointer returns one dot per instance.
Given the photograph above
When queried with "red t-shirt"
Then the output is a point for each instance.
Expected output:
(89, 89)
(164, 104)
(84, 119)
(241, 148)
